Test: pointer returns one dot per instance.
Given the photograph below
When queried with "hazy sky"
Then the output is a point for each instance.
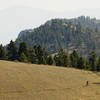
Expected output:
(56, 5)
(17, 15)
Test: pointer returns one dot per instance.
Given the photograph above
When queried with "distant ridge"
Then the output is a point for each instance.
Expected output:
(81, 34)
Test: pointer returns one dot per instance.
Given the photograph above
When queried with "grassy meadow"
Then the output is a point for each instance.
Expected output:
(21, 81)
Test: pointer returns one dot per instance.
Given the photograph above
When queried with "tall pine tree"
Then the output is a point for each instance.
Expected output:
(33, 56)
(61, 59)
(50, 60)
(23, 48)
(2, 53)
(98, 65)
(81, 63)
(12, 51)
(74, 59)
(92, 61)
(23, 58)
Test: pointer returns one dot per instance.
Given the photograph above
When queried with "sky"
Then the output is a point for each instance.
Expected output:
(17, 15)
(54, 5)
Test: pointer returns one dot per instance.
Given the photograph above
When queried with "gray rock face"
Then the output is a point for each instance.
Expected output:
(24, 32)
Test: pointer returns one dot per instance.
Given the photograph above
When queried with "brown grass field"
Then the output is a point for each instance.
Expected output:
(20, 81)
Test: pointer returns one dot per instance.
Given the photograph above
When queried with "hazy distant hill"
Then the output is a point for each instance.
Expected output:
(80, 34)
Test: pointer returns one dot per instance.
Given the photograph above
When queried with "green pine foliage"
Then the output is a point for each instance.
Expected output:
(43, 60)
(74, 59)
(33, 56)
(92, 61)
(41, 54)
(3, 53)
(12, 51)
(81, 63)
(23, 58)
(61, 59)
(23, 49)
(98, 65)
(87, 66)
(50, 60)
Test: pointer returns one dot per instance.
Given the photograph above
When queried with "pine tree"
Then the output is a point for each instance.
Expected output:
(61, 59)
(40, 53)
(50, 60)
(74, 59)
(92, 60)
(81, 63)
(57, 60)
(43, 61)
(12, 51)
(98, 65)
(23, 48)
(87, 65)
(2, 53)
(23, 58)
(66, 60)
(33, 56)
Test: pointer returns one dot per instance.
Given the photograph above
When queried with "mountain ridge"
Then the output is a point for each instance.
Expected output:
(81, 34)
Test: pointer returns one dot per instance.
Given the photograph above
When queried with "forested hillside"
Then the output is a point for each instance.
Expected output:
(81, 34)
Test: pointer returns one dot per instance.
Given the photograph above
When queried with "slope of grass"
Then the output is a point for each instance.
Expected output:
(19, 81)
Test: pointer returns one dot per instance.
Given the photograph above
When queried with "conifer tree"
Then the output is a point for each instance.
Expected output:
(40, 53)
(61, 59)
(66, 60)
(33, 56)
(81, 63)
(92, 60)
(23, 48)
(87, 65)
(2, 52)
(12, 51)
(50, 60)
(43, 60)
(74, 59)
(98, 65)
(23, 58)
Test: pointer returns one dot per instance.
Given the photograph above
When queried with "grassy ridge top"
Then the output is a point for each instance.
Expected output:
(19, 81)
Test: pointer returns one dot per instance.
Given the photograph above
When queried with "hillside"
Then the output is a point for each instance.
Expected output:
(81, 34)
(21, 81)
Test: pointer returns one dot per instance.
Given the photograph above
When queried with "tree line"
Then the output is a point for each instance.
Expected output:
(39, 55)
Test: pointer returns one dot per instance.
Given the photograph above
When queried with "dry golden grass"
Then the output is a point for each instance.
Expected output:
(19, 81)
